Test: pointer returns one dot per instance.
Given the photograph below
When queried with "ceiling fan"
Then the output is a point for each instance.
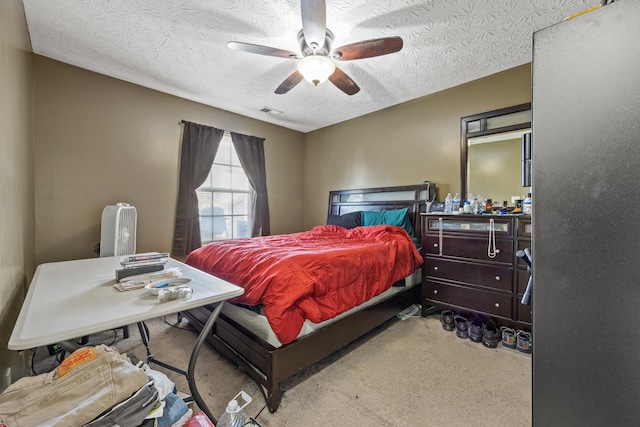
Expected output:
(315, 42)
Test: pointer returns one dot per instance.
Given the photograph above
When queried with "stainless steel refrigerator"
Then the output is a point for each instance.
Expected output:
(586, 219)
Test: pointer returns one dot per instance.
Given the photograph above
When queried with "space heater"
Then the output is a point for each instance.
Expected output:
(118, 230)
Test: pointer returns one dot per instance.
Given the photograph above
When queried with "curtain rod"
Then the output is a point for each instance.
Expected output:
(224, 130)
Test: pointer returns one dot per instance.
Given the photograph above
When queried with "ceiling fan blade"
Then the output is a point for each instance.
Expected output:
(262, 50)
(289, 83)
(368, 48)
(344, 82)
(314, 22)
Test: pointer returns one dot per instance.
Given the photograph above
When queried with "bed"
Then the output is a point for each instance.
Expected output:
(267, 350)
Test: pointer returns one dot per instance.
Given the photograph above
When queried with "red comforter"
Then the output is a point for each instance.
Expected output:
(313, 275)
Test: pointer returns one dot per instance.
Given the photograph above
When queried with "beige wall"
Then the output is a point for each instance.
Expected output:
(16, 175)
(404, 144)
(99, 141)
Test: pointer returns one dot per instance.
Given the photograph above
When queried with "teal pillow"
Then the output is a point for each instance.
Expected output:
(397, 217)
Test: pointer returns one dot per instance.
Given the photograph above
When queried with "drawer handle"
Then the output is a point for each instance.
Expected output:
(440, 235)
(435, 245)
(435, 291)
(497, 277)
(435, 268)
(497, 305)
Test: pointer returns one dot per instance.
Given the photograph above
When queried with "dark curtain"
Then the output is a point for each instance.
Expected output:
(250, 151)
(199, 146)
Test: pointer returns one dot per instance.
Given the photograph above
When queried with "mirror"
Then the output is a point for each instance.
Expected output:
(491, 153)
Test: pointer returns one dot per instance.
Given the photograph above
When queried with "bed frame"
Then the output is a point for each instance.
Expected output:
(269, 366)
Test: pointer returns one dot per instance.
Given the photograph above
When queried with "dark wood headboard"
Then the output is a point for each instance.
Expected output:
(412, 197)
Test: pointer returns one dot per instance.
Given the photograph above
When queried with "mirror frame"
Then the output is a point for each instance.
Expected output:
(483, 117)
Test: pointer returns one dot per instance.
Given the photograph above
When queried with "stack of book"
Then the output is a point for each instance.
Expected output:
(140, 269)
(155, 261)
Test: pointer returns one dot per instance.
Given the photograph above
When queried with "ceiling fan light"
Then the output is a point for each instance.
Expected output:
(316, 69)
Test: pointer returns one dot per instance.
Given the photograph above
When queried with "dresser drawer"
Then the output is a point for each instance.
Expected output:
(489, 275)
(524, 227)
(485, 301)
(470, 247)
(470, 225)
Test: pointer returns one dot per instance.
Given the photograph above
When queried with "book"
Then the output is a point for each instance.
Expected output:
(143, 263)
(145, 257)
(126, 272)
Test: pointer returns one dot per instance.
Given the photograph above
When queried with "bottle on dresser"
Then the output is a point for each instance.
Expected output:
(527, 204)
(448, 201)
(481, 205)
(455, 205)
(474, 203)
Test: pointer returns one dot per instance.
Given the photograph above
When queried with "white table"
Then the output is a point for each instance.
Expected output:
(71, 299)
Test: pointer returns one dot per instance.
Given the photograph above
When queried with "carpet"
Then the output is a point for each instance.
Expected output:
(407, 373)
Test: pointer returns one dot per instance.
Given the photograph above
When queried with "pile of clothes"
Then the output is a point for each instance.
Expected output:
(96, 387)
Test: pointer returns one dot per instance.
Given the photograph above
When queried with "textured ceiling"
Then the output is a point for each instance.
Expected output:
(179, 47)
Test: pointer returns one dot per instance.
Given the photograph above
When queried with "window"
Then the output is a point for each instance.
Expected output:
(225, 197)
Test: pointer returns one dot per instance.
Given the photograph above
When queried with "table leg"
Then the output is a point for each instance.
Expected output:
(144, 333)
(191, 377)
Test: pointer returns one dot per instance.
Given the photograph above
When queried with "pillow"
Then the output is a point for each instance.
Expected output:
(397, 217)
(348, 220)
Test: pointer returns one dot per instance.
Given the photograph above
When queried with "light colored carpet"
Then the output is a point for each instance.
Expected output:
(411, 373)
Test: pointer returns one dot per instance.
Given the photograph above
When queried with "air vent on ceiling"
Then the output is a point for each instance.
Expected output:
(270, 111)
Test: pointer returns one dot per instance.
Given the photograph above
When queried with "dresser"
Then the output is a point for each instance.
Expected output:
(471, 266)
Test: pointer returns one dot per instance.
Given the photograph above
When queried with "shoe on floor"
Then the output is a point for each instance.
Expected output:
(476, 329)
(491, 336)
(524, 342)
(462, 328)
(508, 337)
(446, 318)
